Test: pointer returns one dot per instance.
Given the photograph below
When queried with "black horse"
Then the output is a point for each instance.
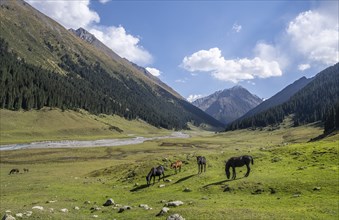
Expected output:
(238, 162)
(201, 164)
(13, 171)
(155, 171)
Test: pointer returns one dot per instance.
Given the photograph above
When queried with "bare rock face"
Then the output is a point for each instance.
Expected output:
(229, 104)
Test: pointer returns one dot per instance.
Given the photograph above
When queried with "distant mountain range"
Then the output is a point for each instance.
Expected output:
(316, 100)
(229, 104)
(46, 65)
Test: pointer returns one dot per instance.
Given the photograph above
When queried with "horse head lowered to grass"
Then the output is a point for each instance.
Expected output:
(238, 162)
(155, 171)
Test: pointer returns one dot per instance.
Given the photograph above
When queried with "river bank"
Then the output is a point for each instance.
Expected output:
(92, 143)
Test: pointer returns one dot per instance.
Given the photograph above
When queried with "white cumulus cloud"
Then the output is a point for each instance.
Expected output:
(230, 70)
(192, 98)
(70, 14)
(303, 67)
(315, 35)
(124, 44)
(154, 71)
(75, 14)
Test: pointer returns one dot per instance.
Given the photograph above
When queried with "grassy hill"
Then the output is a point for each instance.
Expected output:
(55, 124)
(291, 178)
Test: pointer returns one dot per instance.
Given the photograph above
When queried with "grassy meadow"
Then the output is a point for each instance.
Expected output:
(51, 124)
(291, 178)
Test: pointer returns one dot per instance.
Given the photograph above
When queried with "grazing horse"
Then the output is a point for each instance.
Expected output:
(201, 164)
(155, 171)
(238, 162)
(176, 165)
(26, 170)
(13, 171)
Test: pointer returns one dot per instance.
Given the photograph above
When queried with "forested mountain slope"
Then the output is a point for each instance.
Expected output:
(317, 101)
(43, 64)
(279, 98)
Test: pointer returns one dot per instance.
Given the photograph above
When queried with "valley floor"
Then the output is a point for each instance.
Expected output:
(291, 178)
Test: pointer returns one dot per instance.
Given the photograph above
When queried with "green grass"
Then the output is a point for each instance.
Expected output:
(54, 124)
(283, 161)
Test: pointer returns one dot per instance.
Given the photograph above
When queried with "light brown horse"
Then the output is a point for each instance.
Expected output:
(176, 165)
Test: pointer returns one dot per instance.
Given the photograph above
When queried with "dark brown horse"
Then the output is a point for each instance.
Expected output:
(176, 165)
(201, 164)
(13, 171)
(238, 162)
(155, 171)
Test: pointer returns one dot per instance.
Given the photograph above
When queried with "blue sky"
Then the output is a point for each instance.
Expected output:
(199, 47)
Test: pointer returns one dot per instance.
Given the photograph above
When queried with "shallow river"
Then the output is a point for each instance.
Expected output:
(94, 143)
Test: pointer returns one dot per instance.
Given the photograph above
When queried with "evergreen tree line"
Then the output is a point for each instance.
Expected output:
(90, 87)
(317, 101)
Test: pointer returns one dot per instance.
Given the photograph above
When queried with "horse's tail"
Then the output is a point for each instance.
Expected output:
(252, 161)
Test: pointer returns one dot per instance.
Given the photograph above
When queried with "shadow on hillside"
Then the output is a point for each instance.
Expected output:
(139, 188)
(220, 182)
(185, 178)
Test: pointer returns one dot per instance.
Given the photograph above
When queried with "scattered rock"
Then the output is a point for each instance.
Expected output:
(51, 210)
(109, 202)
(174, 203)
(124, 208)
(168, 180)
(163, 201)
(163, 211)
(144, 206)
(87, 202)
(95, 208)
(296, 195)
(8, 217)
(76, 208)
(317, 188)
(187, 190)
(95, 216)
(19, 215)
(136, 184)
(28, 213)
(52, 201)
(64, 210)
(162, 185)
(38, 207)
(204, 198)
(175, 217)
